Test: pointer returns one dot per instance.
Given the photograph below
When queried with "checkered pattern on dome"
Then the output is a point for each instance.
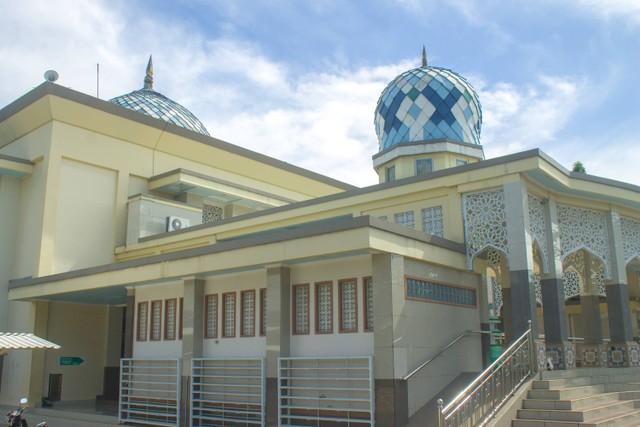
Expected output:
(156, 105)
(428, 103)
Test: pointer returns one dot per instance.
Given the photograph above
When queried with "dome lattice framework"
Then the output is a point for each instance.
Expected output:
(148, 101)
(428, 103)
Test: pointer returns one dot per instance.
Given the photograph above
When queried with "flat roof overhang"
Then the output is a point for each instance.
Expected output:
(107, 284)
(217, 190)
(14, 166)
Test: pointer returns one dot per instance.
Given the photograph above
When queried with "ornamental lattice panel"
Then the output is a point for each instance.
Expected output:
(537, 284)
(211, 213)
(485, 223)
(537, 225)
(582, 228)
(630, 238)
(571, 283)
(497, 296)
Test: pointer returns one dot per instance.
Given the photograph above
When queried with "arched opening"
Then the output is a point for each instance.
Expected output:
(583, 281)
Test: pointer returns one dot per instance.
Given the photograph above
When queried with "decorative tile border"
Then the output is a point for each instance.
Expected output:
(562, 355)
(624, 355)
(541, 353)
(593, 355)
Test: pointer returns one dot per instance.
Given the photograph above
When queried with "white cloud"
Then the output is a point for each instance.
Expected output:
(321, 120)
(520, 118)
(326, 125)
(618, 10)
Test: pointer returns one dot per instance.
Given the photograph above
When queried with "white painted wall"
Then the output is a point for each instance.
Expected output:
(336, 344)
(157, 349)
(424, 328)
(249, 347)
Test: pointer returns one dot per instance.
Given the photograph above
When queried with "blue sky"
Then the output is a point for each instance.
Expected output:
(299, 80)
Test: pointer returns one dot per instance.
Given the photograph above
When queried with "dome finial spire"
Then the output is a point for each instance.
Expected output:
(424, 57)
(148, 79)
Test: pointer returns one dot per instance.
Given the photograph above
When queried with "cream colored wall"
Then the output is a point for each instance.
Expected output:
(335, 344)
(34, 146)
(81, 330)
(16, 372)
(84, 226)
(406, 165)
(425, 328)
(9, 217)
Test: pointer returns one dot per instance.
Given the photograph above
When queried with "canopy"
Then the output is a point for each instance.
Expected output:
(24, 341)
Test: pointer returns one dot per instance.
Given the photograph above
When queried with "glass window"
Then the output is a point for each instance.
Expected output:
(432, 222)
(424, 166)
(211, 316)
(170, 316)
(404, 218)
(143, 320)
(248, 315)
(324, 308)
(156, 320)
(460, 162)
(390, 174)
(368, 304)
(348, 305)
(229, 315)
(300, 309)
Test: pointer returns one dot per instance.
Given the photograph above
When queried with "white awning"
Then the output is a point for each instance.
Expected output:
(23, 341)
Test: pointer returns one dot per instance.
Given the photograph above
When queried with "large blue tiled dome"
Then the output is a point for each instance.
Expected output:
(428, 103)
(148, 101)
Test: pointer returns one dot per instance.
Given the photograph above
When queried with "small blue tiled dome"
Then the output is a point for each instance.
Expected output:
(148, 101)
(428, 103)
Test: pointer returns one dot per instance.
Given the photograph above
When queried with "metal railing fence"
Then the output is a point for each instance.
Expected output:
(477, 403)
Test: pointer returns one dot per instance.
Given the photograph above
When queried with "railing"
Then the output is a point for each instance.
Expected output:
(149, 392)
(228, 392)
(445, 348)
(477, 403)
(326, 391)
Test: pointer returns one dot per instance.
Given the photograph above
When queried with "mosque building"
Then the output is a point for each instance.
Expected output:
(198, 283)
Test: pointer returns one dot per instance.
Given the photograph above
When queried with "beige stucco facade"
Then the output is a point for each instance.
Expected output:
(86, 186)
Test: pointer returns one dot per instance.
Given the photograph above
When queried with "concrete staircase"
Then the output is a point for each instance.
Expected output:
(587, 397)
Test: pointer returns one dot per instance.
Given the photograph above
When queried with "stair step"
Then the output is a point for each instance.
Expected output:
(621, 387)
(566, 393)
(562, 383)
(627, 419)
(578, 403)
(607, 410)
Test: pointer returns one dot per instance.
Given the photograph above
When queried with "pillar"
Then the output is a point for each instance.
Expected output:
(40, 326)
(392, 404)
(623, 350)
(523, 296)
(483, 306)
(192, 337)
(278, 333)
(558, 347)
(592, 350)
(129, 329)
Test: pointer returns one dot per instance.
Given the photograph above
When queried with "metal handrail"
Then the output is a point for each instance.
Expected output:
(479, 401)
(446, 347)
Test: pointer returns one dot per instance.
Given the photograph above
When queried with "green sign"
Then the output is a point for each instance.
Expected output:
(71, 361)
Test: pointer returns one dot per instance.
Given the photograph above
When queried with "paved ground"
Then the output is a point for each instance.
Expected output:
(61, 418)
